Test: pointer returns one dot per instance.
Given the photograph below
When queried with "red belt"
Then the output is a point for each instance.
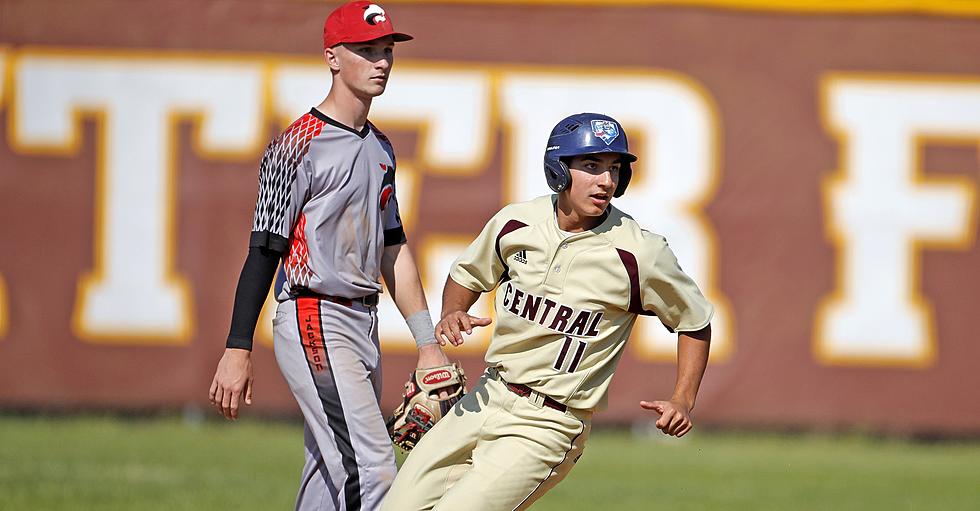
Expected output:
(524, 391)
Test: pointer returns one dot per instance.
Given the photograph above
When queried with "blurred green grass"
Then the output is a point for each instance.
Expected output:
(110, 463)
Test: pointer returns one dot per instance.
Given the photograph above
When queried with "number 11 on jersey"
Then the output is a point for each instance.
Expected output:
(563, 355)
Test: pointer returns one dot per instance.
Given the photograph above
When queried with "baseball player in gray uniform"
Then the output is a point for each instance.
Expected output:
(327, 210)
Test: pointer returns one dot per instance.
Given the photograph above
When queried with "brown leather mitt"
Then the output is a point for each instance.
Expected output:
(421, 406)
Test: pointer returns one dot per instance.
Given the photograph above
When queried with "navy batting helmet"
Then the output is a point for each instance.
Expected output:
(586, 134)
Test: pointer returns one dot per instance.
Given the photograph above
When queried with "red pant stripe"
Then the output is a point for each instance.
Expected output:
(311, 332)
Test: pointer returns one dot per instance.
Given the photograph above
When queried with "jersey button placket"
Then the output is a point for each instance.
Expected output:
(559, 264)
(558, 267)
(554, 270)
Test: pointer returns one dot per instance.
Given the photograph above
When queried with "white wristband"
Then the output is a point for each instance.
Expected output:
(420, 324)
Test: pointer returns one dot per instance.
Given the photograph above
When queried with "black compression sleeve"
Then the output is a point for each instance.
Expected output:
(253, 286)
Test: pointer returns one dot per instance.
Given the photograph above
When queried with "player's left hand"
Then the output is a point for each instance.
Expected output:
(432, 356)
(675, 417)
(424, 402)
(451, 327)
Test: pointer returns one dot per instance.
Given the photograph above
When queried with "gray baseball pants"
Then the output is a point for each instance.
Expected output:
(329, 354)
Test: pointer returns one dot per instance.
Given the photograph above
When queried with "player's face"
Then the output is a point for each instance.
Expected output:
(364, 67)
(594, 179)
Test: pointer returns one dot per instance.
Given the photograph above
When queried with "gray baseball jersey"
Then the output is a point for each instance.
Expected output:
(327, 201)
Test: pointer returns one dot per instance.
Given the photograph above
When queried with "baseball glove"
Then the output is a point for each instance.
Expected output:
(421, 406)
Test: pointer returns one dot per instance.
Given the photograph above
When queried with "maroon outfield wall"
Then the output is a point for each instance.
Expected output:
(775, 261)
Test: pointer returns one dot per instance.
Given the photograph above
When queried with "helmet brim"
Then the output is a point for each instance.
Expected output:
(627, 157)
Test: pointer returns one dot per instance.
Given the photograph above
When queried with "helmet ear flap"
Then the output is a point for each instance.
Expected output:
(557, 174)
(625, 174)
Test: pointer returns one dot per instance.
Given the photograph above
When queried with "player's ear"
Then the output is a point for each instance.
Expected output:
(330, 57)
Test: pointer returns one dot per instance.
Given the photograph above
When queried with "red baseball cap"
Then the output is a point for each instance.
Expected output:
(358, 22)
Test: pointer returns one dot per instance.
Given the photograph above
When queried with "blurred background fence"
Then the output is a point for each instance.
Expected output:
(813, 164)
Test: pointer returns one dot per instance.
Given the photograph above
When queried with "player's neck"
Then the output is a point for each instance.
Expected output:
(570, 220)
(343, 106)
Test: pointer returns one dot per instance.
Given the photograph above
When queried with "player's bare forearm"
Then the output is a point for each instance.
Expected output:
(456, 301)
(402, 279)
(405, 286)
(456, 298)
(692, 359)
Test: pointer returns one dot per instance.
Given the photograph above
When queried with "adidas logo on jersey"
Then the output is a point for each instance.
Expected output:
(521, 256)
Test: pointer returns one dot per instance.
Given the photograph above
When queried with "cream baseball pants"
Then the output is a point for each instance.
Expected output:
(494, 450)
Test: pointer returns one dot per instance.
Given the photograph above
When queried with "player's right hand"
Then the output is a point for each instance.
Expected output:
(232, 380)
(450, 327)
(675, 416)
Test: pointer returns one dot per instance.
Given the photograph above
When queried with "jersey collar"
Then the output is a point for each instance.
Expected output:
(337, 124)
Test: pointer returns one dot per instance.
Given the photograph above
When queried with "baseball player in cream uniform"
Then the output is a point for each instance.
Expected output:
(572, 273)
(328, 212)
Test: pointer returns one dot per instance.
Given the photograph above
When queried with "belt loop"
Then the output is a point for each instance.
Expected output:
(536, 399)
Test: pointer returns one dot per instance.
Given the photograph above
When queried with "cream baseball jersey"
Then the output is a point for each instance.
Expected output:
(327, 201)
(566, 303)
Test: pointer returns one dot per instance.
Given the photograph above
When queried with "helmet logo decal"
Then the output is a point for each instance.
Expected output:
(607, 131)
(374, 14)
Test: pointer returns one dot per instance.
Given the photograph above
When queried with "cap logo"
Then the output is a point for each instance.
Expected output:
(605, 130)
(374, 14)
